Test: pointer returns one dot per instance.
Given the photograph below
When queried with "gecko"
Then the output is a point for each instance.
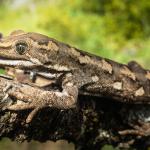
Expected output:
(74, 71)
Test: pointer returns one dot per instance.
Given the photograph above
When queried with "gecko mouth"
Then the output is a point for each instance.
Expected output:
(16, 63)
(12, 62)
(26, 66)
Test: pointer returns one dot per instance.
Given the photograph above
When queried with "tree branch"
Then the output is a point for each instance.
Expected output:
(95, 122)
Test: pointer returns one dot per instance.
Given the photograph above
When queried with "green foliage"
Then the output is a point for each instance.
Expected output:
(127, 17)
(109, 147)
(116, 29)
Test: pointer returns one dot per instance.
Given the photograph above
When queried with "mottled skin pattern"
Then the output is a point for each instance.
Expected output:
(81, 73)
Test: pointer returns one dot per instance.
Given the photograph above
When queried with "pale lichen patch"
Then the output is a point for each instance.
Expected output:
(125, 71)
(139, 92)
(117, 85)
(60, 67)
(95, 78)
(86, 60)
(53, 46)
(34, 60)
(148, 75)
(106, 66)
(69, 84)
(50, 46)
(75, 52)
(103, 64)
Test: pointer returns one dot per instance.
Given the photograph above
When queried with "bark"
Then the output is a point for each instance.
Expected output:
(95, 122)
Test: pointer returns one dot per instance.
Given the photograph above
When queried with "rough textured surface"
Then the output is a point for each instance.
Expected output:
(68, 108)
(91, 74)
(95, 122)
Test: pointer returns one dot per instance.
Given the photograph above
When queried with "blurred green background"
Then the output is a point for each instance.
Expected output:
(116, 29)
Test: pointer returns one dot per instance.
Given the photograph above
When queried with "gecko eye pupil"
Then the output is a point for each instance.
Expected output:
(21, 48)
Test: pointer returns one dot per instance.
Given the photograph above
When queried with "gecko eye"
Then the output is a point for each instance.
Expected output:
(21, 48)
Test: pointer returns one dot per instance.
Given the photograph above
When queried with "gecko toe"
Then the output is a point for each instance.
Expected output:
(33, 113)
(20, 107)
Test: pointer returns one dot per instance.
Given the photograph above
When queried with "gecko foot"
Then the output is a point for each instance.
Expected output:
(143, 129)
(35, 98)
(27, 98)
(131, 132)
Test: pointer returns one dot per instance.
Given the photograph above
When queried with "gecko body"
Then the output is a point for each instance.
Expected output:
(76, 71)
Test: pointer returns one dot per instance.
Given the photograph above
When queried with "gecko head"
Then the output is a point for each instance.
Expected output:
(26, 50)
